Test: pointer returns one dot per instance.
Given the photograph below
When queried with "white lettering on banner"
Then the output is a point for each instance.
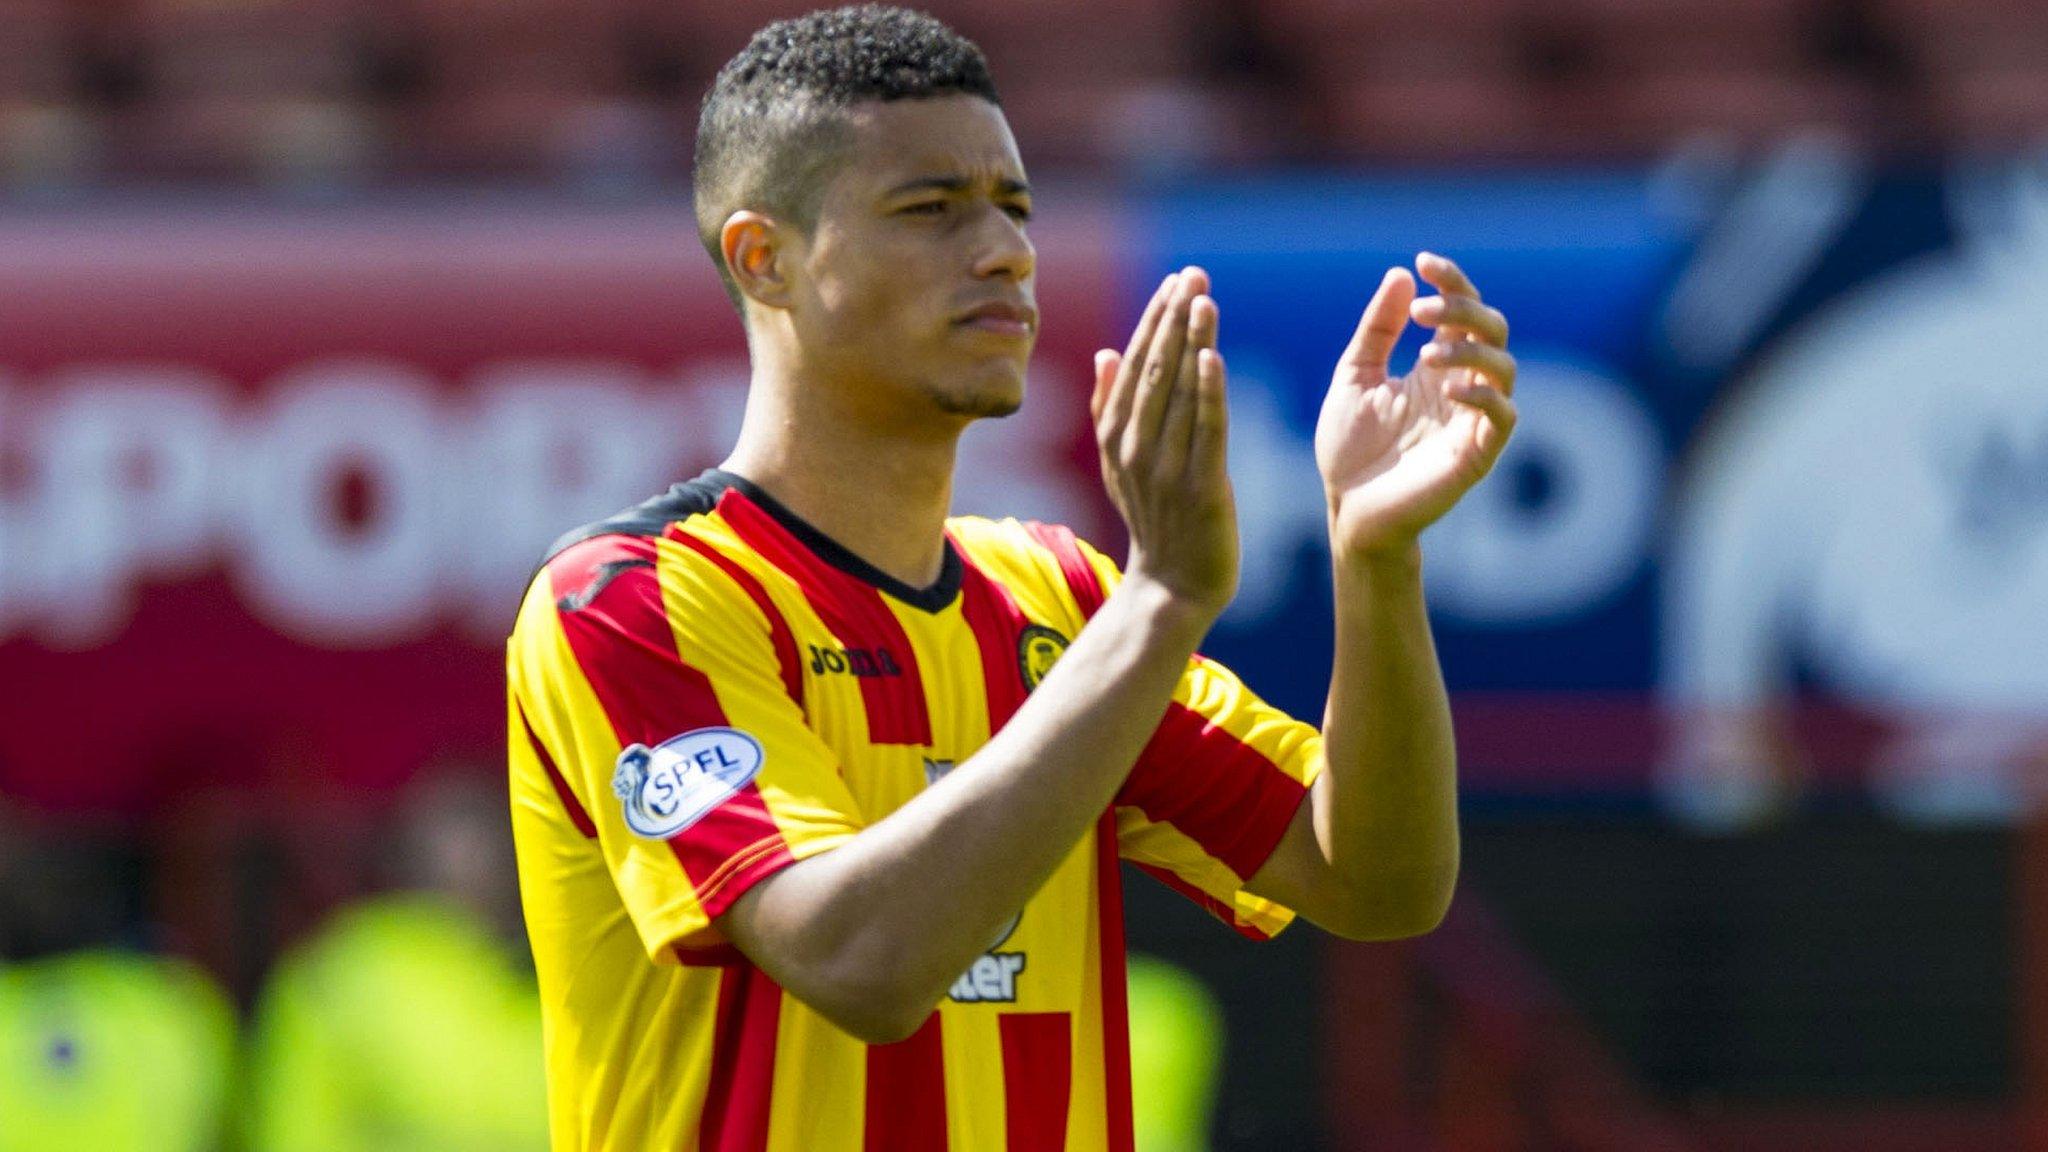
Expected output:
(1500, 559)
(550, 442)
(1496, 558)
(128, 470)
(301, 559)
(128, 473)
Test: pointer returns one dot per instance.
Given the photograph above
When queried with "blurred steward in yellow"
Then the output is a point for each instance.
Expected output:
(101, 1047)
(411, 1020)
(1176, 1056)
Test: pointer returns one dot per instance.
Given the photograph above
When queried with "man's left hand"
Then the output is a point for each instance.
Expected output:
(1397, 452)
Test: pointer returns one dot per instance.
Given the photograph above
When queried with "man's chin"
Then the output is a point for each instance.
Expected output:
(990, 394)
(980, 406)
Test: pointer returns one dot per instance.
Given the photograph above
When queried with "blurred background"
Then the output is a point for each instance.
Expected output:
(319, 318)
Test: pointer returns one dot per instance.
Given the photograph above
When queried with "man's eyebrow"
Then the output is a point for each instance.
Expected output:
(1004, 187)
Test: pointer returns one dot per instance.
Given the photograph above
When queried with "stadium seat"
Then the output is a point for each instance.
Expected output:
(1419, 119)
(49, 145)
(1347, 42)
(477, 47)
(1948, 36)
(35, 50)
(1135, 128)
(1137, 39)
(1997, 109)
(247, 49)
(1662, 37)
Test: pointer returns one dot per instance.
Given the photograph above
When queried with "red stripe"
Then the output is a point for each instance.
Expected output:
(570, 804)
(906, 1100)
(1208, 903)
(1223, 793)
(996, 621)
(778, 628)
(855, 615)
(623, 643)
(712, 956)
(1038, 1079)
(738, 1098)
(622, 640)
(1116, 991)
(1082, 579)
(1086, 586)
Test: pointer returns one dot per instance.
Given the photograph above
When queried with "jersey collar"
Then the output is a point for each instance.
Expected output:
(931, 598)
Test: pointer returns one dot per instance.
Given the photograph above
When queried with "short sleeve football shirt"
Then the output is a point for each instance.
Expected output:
(705, 690)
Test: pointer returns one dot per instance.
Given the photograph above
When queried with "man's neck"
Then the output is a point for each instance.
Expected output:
(882, 495)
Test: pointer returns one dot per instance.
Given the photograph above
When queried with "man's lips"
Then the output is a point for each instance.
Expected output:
(1008, 319)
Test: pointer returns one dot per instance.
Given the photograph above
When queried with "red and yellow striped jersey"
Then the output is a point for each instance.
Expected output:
(705, 690)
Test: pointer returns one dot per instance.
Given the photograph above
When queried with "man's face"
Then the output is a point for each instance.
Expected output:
(915, 286)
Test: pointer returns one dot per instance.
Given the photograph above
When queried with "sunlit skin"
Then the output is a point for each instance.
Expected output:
(878, 335)
(917, 295)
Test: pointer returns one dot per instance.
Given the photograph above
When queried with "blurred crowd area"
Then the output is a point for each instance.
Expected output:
(357, 981)
(602, 93)
(399, 1012)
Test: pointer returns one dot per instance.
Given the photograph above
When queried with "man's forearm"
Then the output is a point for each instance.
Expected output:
(873, 932)
(1386, 806)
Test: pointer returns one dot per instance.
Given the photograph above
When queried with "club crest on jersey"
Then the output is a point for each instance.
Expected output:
(676, 783)
(1038, 649)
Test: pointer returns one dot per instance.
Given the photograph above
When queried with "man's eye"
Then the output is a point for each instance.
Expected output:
(1019, 212)
(927, 208)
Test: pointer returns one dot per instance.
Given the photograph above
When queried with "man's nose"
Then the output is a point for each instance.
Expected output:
(1006, 250)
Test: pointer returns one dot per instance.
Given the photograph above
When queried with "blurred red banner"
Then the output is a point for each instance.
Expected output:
(271, 481)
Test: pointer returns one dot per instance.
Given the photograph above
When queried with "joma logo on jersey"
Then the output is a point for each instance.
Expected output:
(858, 661)
(992, 980)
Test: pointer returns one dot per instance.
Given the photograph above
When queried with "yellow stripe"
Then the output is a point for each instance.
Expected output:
(820, 1085)
(949, 666)
(1209, 688)
(1142, 841)
(802, 789)
(599, 993)
(833, 706)
(646, 873)
(1008, 553)
(1087, 1108)
(973, 1050)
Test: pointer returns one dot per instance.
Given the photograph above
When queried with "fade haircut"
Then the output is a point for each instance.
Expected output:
(774, 124)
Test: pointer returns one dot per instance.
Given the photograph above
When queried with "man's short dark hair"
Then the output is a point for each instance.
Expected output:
(773, 124)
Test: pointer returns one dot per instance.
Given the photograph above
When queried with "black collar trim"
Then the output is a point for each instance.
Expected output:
(934, 598)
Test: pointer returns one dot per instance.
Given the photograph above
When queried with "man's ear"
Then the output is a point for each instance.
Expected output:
(756, 252)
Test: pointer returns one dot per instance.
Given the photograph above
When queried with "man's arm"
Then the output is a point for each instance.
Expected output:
(1374, 852)
(872, 933)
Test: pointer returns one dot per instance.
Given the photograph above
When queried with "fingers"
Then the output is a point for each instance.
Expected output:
(1499, 411)
(1107, 363)
(1495, 365)
(1468, 335)
(1121, 390)
(1161, 365)
(1212, 414)
(1461, 315)
(1178, 422)
(1379, 328)
(1445, 276)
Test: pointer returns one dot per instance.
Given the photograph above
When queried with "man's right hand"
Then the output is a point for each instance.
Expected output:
(1160, 426)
